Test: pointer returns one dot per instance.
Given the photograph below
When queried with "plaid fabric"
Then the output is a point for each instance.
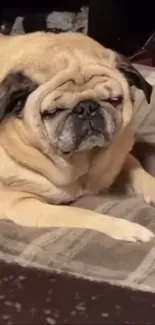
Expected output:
(86, 253)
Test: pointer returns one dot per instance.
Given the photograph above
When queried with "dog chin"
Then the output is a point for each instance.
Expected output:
(85, 145)
(92, 142)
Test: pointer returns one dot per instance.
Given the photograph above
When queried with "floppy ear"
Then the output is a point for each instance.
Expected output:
(14, 90)
(133, 76)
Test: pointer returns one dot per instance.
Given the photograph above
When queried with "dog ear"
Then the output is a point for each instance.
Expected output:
(133, 76)
(14, 89)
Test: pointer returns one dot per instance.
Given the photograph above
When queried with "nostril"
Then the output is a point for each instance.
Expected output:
(81, 109)
(92, 108)
(86, 108)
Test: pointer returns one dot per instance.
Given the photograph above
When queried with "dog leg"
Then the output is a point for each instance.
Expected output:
(29, 211)
(139, 181)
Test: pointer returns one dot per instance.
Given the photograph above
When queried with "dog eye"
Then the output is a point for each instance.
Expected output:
(52, 113)
(115, 101)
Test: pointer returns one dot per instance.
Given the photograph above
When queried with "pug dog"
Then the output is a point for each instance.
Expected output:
(66, 130)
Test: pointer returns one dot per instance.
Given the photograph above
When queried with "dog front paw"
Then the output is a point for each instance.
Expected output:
(129, 231)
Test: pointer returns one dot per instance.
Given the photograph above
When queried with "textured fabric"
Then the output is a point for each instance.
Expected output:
(86, 253)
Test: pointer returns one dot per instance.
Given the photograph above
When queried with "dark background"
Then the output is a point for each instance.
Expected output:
(123, 25)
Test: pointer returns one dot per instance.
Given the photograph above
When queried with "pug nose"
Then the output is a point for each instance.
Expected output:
(86, 109)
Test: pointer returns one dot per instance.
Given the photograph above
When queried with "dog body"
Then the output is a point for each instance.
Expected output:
(67, 181)
(66, 131)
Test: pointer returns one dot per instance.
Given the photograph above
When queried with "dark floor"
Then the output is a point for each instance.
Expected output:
(29, 296)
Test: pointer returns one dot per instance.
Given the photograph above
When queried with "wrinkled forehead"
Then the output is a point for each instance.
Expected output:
(83, 83)
(80, 63)
(86, 69)
(77, 75)
(69, 94)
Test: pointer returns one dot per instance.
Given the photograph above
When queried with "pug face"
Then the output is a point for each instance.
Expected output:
(83, 101)
(80, 116)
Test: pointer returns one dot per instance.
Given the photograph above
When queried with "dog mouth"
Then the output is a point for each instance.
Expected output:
(84, 134)
(88, 136)
(89, 132)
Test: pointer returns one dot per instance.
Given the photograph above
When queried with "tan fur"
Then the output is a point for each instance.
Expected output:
(33, 179)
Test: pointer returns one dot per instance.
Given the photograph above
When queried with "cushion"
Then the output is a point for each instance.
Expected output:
(87, 253)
